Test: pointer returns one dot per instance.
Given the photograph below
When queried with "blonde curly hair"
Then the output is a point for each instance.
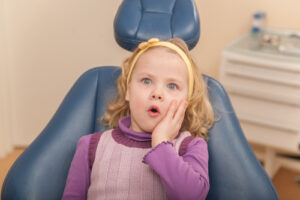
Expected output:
(199, 115)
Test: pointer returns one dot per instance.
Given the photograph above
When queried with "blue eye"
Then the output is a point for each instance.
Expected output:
(146, 81)
(172, 86)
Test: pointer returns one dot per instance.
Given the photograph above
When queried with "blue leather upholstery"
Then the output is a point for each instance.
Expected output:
(41, 171)
(139, 20)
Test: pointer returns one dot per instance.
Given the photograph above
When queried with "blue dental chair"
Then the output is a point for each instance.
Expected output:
(40, 172)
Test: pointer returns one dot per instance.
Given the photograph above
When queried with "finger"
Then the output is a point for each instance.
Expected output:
(179, 105)
(180, 111)
(172, 109)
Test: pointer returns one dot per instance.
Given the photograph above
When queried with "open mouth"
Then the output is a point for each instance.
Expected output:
(153, 111)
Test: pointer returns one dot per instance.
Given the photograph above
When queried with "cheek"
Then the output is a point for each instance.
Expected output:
(178, 97)
(181, 93)
(137, 102)
(184, 93)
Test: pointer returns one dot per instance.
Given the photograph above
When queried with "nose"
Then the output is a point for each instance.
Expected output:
(157, 95)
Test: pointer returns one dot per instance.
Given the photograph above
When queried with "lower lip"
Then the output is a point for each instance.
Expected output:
(153, 114)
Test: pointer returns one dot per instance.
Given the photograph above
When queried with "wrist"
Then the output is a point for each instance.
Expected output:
(157, 141)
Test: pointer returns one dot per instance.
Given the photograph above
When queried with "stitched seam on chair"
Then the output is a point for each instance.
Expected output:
(171, 19)
(156, 12)
(130, 40)
(138, 28)
(138, 41)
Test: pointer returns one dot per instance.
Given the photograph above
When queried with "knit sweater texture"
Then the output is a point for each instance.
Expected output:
(126, 167)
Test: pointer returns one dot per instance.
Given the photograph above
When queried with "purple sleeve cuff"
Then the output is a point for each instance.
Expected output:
(155, 149)
(183, 177)
(78, 180)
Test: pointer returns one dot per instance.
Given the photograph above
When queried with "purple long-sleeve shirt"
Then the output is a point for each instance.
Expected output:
(183, 177)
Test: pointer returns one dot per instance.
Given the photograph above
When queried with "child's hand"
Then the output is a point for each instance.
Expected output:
(168, 128)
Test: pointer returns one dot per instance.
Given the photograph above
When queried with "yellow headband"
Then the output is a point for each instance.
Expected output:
(155, 42)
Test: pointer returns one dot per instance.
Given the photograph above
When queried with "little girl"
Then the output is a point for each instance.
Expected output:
(156, 147)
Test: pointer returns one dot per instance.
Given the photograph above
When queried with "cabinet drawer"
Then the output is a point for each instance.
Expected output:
(263, 74)
(274, 125)
(271, 137)
(279, 116)
(262, 90)
(273, 84)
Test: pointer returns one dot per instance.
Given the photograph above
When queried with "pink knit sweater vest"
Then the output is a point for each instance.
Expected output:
(118, 172)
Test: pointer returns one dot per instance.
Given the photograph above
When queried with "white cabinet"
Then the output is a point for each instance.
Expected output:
(264, 87)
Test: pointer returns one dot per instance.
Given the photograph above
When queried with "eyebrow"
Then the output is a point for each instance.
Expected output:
(145, 74)
(169, 79)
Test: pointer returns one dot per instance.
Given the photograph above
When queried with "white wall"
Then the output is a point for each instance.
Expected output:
(5, 97)
(50, 43)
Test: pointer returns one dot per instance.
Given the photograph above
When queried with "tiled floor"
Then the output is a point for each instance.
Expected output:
(284, 181)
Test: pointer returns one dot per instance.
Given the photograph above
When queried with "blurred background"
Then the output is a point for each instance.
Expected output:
(46, 45)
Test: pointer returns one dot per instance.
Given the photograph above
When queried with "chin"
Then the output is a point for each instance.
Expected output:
(148, 129)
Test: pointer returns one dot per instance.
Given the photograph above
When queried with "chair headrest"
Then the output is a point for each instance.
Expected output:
(139, 20)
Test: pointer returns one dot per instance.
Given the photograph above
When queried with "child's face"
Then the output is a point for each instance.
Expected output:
(159, 77)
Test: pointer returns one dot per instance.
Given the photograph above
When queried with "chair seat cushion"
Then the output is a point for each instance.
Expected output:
(139, 20)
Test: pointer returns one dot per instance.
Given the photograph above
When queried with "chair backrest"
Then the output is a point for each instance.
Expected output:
(140, 20)
(41, 171)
